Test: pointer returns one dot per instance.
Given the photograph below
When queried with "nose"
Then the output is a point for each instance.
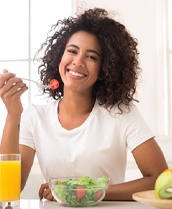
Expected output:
(78, 61)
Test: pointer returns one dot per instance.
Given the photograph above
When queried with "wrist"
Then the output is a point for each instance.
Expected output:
(15, 118)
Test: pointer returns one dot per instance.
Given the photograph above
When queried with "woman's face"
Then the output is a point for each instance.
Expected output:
(80, 64)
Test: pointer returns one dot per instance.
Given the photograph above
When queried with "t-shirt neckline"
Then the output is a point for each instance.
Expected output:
(88, 119)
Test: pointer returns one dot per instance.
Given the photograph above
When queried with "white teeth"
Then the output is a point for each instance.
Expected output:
(75, 74)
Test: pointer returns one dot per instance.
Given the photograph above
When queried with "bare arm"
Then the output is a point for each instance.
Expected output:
(11, 89)
(27, 158)
(151, 162)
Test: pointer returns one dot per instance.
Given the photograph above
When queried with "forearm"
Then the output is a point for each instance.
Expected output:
(124, 191)
(10, 136)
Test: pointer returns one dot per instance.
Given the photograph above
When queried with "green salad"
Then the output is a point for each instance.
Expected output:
(82, 191)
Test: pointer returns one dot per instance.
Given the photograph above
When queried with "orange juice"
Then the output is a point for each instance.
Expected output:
(9, 180)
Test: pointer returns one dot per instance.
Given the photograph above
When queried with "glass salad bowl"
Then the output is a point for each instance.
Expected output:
(79, 191)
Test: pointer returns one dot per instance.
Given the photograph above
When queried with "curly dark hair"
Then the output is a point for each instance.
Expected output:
(120, 67)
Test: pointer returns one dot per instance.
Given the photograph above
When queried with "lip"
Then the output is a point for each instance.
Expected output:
(76, 74)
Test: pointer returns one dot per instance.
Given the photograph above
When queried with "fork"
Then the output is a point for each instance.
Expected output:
(40, 85)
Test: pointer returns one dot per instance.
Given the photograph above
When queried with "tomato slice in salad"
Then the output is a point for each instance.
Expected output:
(80, 192)
(98, 194)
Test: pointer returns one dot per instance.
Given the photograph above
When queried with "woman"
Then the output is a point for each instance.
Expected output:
(92, 120)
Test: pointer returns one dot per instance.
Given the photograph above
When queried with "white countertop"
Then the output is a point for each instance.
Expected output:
(37, 204)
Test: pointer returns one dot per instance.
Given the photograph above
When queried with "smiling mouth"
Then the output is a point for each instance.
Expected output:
(76, 74)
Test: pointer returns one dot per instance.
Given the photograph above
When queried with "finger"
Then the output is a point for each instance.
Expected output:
(5, 71)
(10, 82)
(47, 194)
(20, 91)
(5, 77)
(41, 190)
(40, 195)
(49, 197)
(17, 89)
(12, 88)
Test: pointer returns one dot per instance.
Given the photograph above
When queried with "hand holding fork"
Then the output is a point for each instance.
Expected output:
(54, 84)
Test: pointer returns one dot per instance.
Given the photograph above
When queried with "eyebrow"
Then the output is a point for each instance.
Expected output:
(88, 50)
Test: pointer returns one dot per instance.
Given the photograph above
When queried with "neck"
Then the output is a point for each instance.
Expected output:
(76, 104)
(74, 110)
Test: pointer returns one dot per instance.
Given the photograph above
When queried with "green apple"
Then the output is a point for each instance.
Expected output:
(163, 185)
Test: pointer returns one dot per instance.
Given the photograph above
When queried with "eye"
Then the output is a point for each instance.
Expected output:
(91, 57)
(72, 51)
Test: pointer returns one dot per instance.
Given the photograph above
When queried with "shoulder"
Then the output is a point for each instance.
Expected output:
(114, 111)
(132, 115)
(128, 119)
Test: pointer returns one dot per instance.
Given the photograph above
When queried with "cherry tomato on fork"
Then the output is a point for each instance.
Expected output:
(54, 84)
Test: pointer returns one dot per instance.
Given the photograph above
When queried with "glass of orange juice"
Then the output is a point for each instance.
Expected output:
(10, 180)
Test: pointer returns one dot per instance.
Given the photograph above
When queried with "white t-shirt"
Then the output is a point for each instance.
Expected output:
(96, 148)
